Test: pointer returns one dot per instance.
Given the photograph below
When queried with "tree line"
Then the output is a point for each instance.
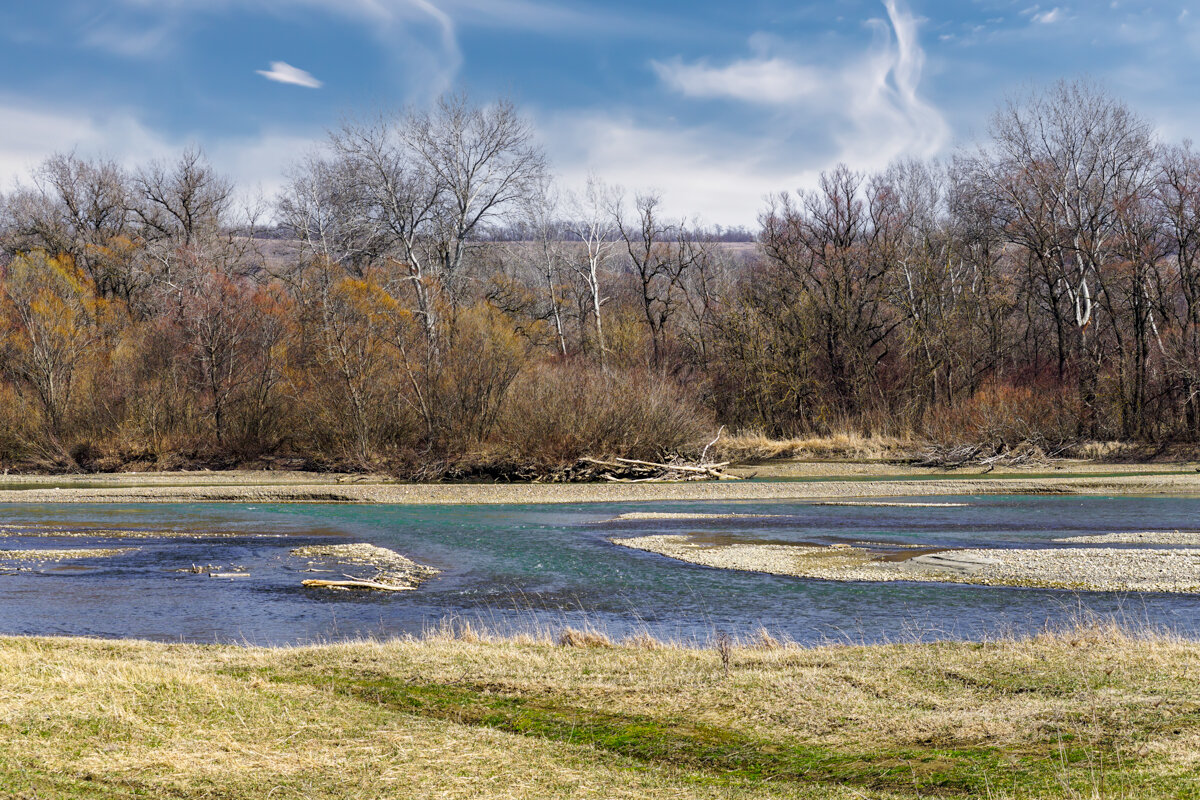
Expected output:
(423, 297)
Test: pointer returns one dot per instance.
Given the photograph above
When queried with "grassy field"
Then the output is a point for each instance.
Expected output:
(1090, 713)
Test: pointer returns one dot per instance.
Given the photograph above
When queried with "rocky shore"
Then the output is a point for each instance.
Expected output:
(1186, 538)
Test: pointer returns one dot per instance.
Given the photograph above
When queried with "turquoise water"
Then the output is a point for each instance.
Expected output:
(515, 568)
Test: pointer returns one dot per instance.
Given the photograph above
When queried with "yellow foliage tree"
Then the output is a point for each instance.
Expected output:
(49, 324)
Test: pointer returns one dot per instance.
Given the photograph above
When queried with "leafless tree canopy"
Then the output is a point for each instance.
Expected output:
(429, 298)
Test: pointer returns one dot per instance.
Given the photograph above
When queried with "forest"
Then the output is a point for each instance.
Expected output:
(423, 298)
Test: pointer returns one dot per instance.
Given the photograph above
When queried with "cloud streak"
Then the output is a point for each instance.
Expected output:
(866, 111)
(283, 72)
(873, 99)
(773, 81)
(1048, 17)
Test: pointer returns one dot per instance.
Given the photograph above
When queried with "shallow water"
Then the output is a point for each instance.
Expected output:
(514, 568)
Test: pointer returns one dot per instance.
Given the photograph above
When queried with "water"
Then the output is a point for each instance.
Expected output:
(515, 568)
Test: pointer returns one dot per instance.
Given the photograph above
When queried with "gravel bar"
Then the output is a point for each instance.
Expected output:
(185, 489)
(1088, 569)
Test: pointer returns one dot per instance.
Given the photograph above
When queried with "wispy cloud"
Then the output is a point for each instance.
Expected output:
(866, 111)
(131, 42)
(773, 80)
(873, 98)
(283, 72)
(31, 134)
(1048, 17)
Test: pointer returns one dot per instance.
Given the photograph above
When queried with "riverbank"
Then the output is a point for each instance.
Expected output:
(787, 481)
(1089, 712)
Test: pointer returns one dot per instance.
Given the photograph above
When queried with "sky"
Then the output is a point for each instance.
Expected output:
(714, 103)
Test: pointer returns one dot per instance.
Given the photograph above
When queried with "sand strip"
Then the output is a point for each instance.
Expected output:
(684, 516)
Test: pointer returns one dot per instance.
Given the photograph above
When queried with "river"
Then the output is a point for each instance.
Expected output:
(519, 568)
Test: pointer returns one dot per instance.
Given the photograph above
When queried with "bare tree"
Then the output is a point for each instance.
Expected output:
(660, 257)
(834, 245)
(416, 188)
(323, 207)
(595, 227)
(53, 324)
(1178, 197)
(1064, 161)
(484, 162)
(188, 216)
(545, 228)
(80, 208)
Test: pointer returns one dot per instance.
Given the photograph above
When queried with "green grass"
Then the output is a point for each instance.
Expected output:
(1093, 713)
(725, 754)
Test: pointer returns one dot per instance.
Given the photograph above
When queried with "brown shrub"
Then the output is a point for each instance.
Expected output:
(1000, 417)
(557, 413)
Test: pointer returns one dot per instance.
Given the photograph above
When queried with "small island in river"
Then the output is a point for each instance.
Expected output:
(1109, 569)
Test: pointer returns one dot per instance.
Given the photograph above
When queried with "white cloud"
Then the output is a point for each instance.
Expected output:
(1048, 17)
(872, 96)
(865, 111)
(30, 135)
(283, 72)
(257, 163)
(702, 175)
(772, 80)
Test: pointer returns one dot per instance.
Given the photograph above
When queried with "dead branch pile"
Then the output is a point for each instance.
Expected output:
(392, 572)
(978, 455)
(632, 470)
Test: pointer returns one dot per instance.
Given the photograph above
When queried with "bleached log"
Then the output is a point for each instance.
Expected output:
(354, 584)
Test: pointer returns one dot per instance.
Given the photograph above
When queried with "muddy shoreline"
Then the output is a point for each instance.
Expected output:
(807, 483)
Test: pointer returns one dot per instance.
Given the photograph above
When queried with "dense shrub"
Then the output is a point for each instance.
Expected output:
(557, 413)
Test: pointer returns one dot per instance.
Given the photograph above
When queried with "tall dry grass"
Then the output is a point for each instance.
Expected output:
(753, 447)
(1091, 710)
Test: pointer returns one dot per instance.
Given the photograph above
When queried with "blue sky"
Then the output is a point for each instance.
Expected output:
(715, 103)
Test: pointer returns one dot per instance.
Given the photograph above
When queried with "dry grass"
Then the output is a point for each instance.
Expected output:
(753, 447)
(1095, 712)
(573, 637)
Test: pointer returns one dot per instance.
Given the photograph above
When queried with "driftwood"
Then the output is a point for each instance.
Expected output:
(672, 469)
(633, 470)
(355, 583)
(990, 456)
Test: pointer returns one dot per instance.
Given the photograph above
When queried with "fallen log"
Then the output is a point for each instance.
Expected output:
(634, 470)
(676, 467)
(355, 584)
